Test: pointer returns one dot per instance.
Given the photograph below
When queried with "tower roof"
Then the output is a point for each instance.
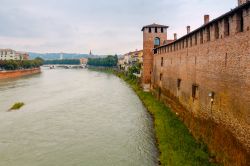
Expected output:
(154, 26)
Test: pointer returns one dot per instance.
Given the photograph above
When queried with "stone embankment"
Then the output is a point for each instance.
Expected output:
(18, 73)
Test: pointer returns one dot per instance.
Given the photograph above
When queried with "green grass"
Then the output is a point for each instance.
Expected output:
(176, 145)
(17, 106)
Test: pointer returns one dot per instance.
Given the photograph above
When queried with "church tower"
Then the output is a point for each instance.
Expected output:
(154, 35)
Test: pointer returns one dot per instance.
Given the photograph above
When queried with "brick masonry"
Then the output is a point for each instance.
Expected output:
(148, 46)
(207, 73)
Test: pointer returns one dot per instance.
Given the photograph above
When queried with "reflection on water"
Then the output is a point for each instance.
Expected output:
(74, 118)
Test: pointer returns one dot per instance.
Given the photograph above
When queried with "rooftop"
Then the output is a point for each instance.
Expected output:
(154, 26)
(6, 49)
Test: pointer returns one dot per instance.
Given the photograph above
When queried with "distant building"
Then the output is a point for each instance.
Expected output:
(130, 59)
(83, 61)
(9, 54)
(26, 56)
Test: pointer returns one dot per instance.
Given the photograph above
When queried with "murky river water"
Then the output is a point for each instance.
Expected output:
(74, 118)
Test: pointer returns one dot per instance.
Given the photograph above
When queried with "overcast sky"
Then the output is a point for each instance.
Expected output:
(104, 26)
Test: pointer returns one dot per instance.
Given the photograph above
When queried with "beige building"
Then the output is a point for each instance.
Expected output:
(9, 54)
(83, 61)
(130, 59)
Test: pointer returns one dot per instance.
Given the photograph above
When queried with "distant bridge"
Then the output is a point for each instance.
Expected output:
(65, 66)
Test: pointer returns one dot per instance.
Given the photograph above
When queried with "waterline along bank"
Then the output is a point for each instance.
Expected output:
(18, 73)
(74, 117)
(176, 144)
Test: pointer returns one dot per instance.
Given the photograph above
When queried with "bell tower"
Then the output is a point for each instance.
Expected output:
(154, 35)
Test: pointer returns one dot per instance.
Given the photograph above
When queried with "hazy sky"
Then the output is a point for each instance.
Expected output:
(105, 26)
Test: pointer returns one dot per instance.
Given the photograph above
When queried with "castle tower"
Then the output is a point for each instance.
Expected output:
(154, 35)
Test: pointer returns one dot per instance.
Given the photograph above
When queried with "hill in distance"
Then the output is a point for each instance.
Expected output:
(53, 56)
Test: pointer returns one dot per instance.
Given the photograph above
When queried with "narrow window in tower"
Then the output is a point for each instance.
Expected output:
(155, 51)
(149, 30)
(162, 30)
(191, 41)
(208, 33)
(156, 30)
(178, 84)
(226, 27)
(161, 61)
(201, 36)
(161, 75)
(240, 22)
(216, 30)
(195, 91)
(195, 39)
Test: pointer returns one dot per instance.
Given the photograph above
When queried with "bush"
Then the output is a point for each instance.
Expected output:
(23, 64)
(109, 61)
(17, 106)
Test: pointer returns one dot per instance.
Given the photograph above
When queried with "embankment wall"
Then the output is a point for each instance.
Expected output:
(18, 73)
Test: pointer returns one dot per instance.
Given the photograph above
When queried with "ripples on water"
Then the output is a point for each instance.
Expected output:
(74, 118)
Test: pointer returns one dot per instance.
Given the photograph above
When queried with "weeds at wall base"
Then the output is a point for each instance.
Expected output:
(176, 144)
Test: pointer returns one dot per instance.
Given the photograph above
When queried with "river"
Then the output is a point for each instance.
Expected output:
(74, 118)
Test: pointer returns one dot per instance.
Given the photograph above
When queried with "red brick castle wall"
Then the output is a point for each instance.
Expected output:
(205, 76)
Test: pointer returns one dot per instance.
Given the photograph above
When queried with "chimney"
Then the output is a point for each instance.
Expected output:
(240, 2)
(206, 19)
(175, 36)
(188, 29)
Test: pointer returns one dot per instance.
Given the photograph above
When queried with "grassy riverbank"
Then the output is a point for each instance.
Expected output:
(177, 146)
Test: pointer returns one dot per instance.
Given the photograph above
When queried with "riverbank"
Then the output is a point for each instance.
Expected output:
(176, 144)
(18, 73)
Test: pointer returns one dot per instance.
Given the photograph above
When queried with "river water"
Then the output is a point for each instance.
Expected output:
(74, 118)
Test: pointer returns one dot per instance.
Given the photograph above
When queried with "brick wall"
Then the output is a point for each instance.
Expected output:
(148, 45)
(213, 74)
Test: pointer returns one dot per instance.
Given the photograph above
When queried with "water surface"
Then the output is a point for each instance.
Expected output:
(74, 118)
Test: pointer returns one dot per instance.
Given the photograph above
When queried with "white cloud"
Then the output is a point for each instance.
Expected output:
(105, 26)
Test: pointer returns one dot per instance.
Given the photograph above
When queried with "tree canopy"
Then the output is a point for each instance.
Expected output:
(109, 61)
(23, 64)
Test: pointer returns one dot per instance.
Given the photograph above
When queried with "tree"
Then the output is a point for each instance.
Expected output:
(17, 64)
(109, 61)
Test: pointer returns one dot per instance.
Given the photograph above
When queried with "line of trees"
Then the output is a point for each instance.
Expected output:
(20, 64)
(62, 62)
(109, 61)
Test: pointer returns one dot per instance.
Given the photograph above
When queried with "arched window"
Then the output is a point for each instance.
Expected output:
(157, 42)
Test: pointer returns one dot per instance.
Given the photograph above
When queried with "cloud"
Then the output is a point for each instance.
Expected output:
(105, 26)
